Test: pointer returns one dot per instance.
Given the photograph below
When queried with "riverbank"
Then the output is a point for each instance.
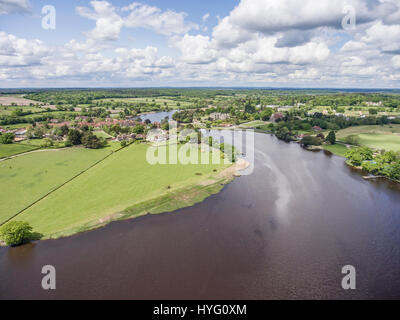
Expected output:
(169, 201)
(102, 193)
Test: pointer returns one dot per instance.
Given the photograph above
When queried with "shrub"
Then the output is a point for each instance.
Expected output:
(90, 141)
(7, 138)
(352, 139)
(331, 138)
(15, 233)
(310, 141)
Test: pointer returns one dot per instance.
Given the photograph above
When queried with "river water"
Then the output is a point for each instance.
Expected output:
(157, 116)
(284, 232)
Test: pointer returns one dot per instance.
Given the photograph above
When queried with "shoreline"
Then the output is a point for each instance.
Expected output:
(170, 201)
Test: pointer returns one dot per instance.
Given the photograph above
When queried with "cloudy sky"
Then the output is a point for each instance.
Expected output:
(265, 43)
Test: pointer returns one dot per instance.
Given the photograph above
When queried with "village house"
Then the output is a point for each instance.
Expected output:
(316, 128)
(219, 116)
(285, 108)
(277, 116)
(376, 104)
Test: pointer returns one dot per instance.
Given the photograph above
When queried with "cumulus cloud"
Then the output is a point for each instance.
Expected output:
(196, 49)
(167, 23)
(258, 42)
(16, 51)
(108, 22)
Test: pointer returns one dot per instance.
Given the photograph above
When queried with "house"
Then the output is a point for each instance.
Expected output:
(219, 116)
(277, 116)
(20, 132)
(316, 128)
(284, 108)
(376, 104)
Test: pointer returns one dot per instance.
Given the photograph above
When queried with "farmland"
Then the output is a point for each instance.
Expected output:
(378, 137)
(26, 178)
(8, 100)
(122, 180)
(7, 150)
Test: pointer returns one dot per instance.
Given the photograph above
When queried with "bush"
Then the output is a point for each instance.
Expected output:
(352, 139)
(75, 137)
(15, 233)
(90, 141)
(310, 141)
(331, 138)
(7, 138)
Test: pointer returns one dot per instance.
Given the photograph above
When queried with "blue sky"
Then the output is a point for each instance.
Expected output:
(172, 43)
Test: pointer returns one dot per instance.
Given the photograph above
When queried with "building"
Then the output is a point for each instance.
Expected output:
(219, 116)
(316, 128)
(276, 116)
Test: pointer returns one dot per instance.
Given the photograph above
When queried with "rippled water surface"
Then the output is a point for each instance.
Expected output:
(285, 231)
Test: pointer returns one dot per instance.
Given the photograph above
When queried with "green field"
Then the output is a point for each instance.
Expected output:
(119, 182)
(254, 124)
(171, 103)
(7, 150)
(337, 149)
(378, 137)
(101, 134)
(26, 178)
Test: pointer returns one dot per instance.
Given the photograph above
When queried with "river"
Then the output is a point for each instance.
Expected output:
(157, 116)
(284, 232)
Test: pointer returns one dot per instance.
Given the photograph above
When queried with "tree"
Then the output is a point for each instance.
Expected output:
(353, 139)
(7, 138)
(64, 130)
(15, 233)
(373, 111)
(74, 137)
(331, 138)
(90, 141)
(357, 156)
(310, 141)
(266, 114)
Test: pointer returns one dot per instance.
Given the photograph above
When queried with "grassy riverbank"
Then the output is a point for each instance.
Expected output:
(101, 193)
(385, 137)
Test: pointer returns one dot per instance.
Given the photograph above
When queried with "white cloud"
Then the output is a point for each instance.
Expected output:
(108, 22)
(167, 23)
(16, 51)
(396, 61)
(205, 17)
(196, 49)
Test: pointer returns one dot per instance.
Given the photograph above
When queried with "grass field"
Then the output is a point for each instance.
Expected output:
(26, 178)
(378, 137)
(119, 182)
(337, 149)
(253, 124)
(7, 150)
(101, 134)
(171, 103)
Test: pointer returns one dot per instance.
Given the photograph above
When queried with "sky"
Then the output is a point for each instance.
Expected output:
(186, 43)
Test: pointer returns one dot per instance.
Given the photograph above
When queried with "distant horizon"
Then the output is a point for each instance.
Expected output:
(157, 43)
(204, 87)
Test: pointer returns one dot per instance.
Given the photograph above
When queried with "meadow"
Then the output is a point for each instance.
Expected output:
(7, 150)
(337, 149)
(385, 137)
(170, 103)
(26, 178)
(121, 181)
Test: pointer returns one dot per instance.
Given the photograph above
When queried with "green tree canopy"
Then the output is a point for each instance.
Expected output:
(15, 233)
